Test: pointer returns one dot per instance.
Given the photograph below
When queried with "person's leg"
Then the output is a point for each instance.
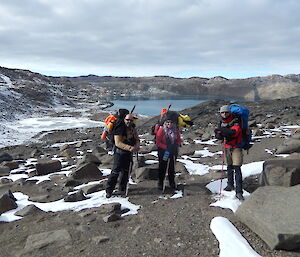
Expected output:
(126, 165)
(171, 172)
(113, 177)
(237, 157)
(230, 181)
(161, 169)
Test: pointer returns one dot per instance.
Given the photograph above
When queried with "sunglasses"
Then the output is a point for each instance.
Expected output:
(129, 119)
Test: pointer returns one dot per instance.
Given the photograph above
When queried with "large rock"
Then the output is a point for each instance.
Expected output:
(41, 240)
(5, 157)
(273, 214)
(75, 197)
(280, 172)
(7, 202)
(289, 146)
(4, 171)
(29, 210)
(145, 173)
(87, 172)
(88, 158)
(45, 166)
(68, 153)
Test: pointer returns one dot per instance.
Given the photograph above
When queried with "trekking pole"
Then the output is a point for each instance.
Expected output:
(167, 171)
(132, 109)
(129, 173)
(223, 162)
(169, 107)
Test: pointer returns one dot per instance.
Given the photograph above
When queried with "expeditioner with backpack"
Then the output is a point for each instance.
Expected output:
(167, 140)
(126, 142)
(232, 132)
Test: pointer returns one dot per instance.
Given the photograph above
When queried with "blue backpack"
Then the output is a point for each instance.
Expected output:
(242, 113)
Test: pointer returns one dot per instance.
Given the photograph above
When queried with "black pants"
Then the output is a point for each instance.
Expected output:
(121, 166)
(162, 166)
(238, 177)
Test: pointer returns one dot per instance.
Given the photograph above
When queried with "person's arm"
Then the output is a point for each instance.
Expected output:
(159, 139)
(179, 141)
(121, 145)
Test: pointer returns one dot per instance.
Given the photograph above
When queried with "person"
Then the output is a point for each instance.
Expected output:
(230, 132)
(126, 142)
(167, 140)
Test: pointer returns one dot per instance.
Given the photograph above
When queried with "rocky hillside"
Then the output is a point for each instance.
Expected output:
(67, 214)
(26, 92)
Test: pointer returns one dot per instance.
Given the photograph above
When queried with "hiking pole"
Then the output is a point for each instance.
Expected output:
(223, 162)
(129, 173)
(167, 171)
(169, 107)
(132, 109)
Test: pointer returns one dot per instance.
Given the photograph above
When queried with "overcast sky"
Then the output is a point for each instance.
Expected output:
(181, 38)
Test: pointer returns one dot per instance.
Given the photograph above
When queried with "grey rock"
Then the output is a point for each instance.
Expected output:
(86, 172)
(39, 198)
(5, 181)
(7, 203)
(145, 173)
(5, 157)
(93, 188)
(100, 239)
(45, 166)
(280, 172)
(38, 241)
(112, 217)
(69, 152)
(88, 158)
(273, 214)
(75, 197)
(110, 208)
(29, 210)
(4, 171)
(289, 146)
(11, 164)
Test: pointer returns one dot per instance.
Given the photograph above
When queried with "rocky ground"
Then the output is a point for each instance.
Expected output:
(162, 227)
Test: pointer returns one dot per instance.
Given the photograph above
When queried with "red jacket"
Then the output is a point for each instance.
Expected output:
(161, 139)
(237, 137)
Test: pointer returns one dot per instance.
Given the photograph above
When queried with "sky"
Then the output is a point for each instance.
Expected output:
(179, 38)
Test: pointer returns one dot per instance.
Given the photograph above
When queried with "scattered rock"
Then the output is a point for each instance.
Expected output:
(273, 214)
(5, 157)
(100, 239)
(289, 146)
(45, 166)
(87, 172)
(4, 171)
(7, 202)
(282, 172)
(75, 197)
(29, 210)
(112, 217)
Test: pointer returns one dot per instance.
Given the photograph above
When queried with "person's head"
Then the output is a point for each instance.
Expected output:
(128, 119)
(168, 123)
(225, 111)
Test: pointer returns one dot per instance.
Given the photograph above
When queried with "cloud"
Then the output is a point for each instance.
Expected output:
(139, 37)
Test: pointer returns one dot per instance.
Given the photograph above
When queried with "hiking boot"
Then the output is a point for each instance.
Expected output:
(229, 188)
(240, 196)
(108, 194)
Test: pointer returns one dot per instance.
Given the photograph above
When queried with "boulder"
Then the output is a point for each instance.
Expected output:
(86, 172)
(110, 208)
(41, 240)
(280, 172)
(7, 202)
(46, 166)
(75, 197)
(273, 214)
(69, 152)
(29, 210)
(4, 171)
(111, 217)
(289, 146)
(5, 157)
(144, 173)
(88, 158)
(93, 188)
(11, 164)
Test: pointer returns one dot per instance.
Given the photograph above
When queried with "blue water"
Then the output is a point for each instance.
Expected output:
(153, 106)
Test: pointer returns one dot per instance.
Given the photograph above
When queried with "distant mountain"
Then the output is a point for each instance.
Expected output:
(25, 92)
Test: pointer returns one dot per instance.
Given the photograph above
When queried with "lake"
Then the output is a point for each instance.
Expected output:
(152, 105)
